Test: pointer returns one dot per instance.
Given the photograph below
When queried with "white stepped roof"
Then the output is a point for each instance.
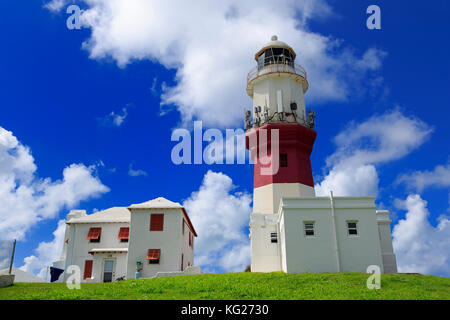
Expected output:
(156, 203)
(22, 276)
(111, 215)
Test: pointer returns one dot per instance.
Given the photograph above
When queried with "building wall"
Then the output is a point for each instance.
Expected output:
(188, 251)
(78, 247)
(308, 254)
(318, 253)
(265, 255)
(358, 252)
(142, 239)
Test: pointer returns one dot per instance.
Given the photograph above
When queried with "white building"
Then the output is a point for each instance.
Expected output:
(290, 228)
(154, 236)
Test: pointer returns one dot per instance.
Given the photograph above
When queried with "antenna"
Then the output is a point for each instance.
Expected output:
(280, 103)
(247, 121)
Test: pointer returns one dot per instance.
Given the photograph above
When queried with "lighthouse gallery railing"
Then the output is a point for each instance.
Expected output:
(276, 68)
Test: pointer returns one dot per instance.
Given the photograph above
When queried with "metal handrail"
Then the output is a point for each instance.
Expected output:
(276, 68)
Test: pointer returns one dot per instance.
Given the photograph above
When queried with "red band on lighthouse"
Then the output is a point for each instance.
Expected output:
(295, 147)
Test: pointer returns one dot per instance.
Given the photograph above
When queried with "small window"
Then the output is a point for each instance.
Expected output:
(153, 256)
(309, 229)
(352, 228)
(124, 234)
(94, 235)
(273, 237)
(182, 228)
(283, 160)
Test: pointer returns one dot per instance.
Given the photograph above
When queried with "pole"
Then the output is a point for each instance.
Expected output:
(12, 256)
(334, 231)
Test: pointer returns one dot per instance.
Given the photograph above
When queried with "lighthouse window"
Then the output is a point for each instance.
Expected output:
(352, 228)
(273, 237)
(283, 160)
(309, 229)
(275, 56)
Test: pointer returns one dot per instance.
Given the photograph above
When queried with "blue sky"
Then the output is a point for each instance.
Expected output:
(57, 98)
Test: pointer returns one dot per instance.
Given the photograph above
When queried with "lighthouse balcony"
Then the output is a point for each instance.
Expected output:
(274, 67)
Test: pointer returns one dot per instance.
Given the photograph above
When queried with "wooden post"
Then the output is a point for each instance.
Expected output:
(12, 256)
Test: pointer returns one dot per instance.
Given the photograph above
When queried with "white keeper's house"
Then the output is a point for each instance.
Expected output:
(145, 239)
(291, 229)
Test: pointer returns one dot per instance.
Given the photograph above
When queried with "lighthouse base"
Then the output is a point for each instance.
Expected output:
(266, 199)
(322, 234)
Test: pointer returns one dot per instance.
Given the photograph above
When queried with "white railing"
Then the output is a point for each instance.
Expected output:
(276, 68)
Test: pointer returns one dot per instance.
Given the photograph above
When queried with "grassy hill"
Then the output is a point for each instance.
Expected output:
(245, 286)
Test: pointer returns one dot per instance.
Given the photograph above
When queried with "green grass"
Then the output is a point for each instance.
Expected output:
(244, 286)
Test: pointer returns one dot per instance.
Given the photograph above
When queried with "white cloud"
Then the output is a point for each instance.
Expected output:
(211, 45)
(360, 147)
(46, 253)
(221, 218)
(136, 173)
(27, 199)
(114, 119)
(419, 180)
(56, 5)
(349, 181)
(420, 247)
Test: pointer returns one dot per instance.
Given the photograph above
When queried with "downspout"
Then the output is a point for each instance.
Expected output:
(279, 234)
(333, 229)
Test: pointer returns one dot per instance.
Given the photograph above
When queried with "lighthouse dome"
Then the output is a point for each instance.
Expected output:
(276, 45)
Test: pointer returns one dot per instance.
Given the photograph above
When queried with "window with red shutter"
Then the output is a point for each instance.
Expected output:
(124, 234)
(88, 269)
(153, 255)
(94, 234)
(157, 222)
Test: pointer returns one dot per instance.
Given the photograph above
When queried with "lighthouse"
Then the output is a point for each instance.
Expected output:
(291, 229)
(277, 86)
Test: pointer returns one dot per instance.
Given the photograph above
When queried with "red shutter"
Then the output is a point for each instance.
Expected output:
(157, 222)
(94, 233)
(153, 254)
(88, 269)
(124, 233)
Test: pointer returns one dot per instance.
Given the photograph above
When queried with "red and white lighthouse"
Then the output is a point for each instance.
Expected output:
(291, 229)
(277, 86)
